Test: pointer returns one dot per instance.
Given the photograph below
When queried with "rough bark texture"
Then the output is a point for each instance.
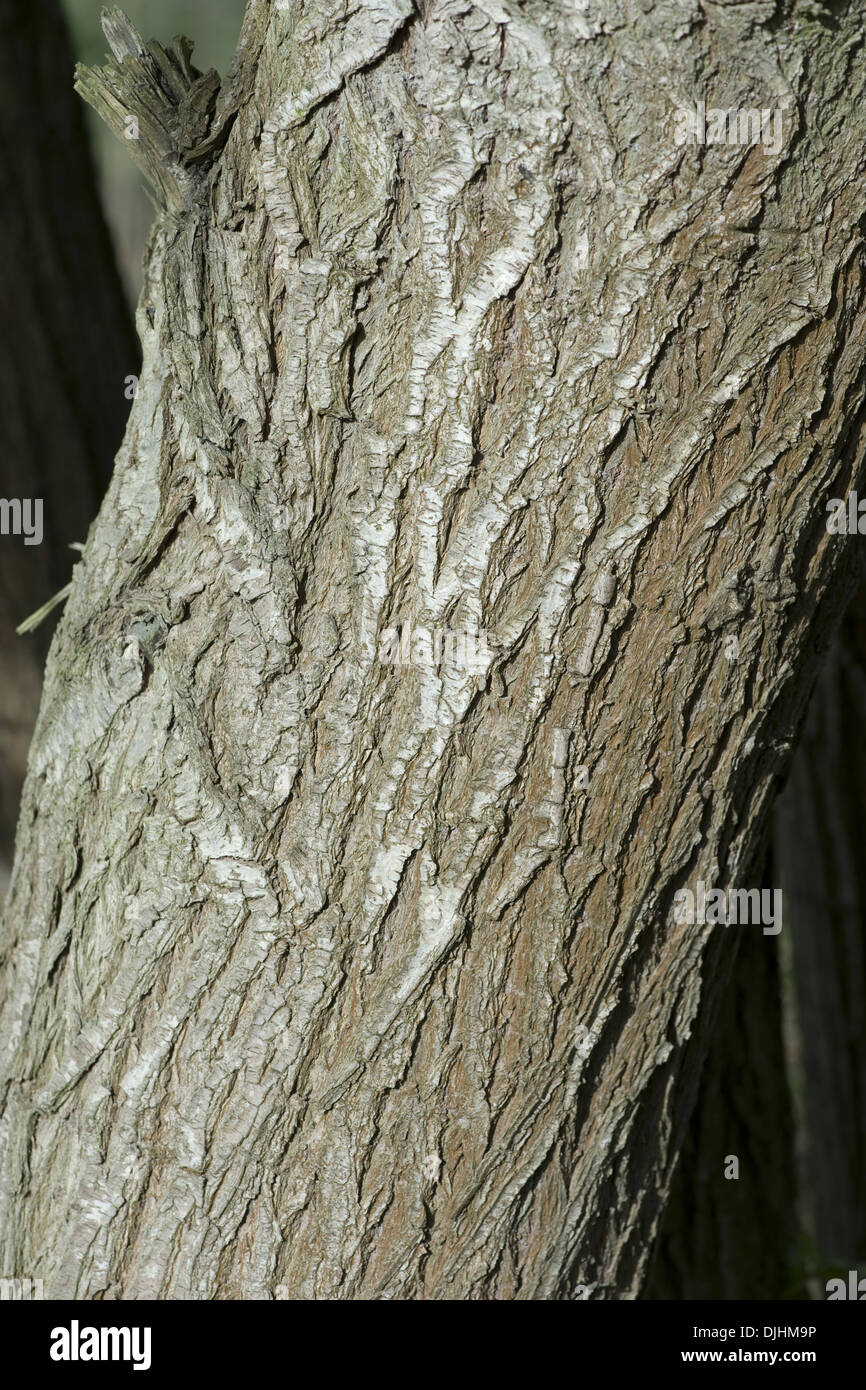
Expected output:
(67, 345)
(819, 830)
(340, 978)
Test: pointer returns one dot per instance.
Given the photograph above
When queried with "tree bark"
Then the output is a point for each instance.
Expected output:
(332, 976)
(68, 344)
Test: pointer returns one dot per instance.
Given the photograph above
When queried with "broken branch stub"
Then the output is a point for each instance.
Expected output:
(153, 97)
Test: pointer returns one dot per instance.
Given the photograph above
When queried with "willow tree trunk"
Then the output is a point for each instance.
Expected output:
(67, 345)
(334, 974)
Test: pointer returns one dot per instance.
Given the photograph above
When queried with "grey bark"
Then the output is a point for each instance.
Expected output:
(330, 977)
(67, 345)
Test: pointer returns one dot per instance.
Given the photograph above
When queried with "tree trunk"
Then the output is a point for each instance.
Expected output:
(819, 833)
(334, 974)
(67, 347)
(729, 1225)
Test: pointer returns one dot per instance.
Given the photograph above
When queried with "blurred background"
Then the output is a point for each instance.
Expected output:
(72, 237)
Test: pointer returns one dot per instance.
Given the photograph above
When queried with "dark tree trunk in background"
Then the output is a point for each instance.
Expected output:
(746, 1239)
(66, 344)
(820, 847)
(725, 1236)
